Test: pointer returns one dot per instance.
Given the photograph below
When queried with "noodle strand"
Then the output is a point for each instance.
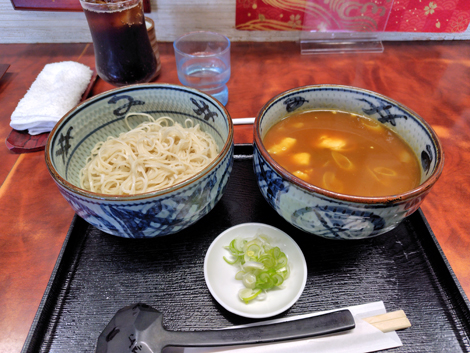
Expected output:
(154, 155)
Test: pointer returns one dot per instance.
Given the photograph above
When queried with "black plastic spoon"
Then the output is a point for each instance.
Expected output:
(139, 328)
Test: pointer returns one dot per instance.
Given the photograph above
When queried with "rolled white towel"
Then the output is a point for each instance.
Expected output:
(57, 89)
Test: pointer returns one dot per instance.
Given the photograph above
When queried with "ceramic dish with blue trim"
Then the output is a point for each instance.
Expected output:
(326, 213)
(149, 214)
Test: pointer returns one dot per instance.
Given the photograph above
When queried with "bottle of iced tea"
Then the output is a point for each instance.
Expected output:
(123, 52)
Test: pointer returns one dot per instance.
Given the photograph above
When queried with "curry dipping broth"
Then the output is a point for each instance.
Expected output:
(344, 153)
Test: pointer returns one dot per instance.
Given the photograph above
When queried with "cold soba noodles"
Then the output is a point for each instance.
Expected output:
(344, 153)
(154, 155)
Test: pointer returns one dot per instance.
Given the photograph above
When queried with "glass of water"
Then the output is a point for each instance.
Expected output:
(203, 62)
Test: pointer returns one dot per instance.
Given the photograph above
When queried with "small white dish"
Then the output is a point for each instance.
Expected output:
(220, 276)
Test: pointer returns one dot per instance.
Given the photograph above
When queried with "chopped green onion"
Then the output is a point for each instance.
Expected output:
(239, 275)
(249, 280)
(278, 279)
(262, 266)
(253, 265)
(233, 262)
(268, 260)
(247, 294)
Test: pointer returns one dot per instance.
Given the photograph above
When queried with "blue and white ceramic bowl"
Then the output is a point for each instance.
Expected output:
(326, 213)
(150, 214)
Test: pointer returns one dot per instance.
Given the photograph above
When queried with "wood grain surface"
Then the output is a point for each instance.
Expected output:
(3, 69)
(431, 78)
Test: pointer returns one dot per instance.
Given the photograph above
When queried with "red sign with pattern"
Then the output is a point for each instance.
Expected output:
(438, 16)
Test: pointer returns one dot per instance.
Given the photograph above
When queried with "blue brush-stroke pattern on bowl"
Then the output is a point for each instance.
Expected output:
(152, 214)
(328, 214)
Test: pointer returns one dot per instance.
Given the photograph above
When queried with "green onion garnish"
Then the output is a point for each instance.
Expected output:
(261, 266)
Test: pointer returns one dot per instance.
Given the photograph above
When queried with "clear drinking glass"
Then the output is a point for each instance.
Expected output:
(123, 52)
(203, 62)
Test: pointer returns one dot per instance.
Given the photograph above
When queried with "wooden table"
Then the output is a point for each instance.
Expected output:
(431, 78)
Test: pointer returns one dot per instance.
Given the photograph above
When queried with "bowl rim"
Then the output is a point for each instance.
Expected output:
(142, 196)
(388, 199)
(193, 33)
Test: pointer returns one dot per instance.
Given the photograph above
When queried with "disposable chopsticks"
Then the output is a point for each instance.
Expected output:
(393, 321)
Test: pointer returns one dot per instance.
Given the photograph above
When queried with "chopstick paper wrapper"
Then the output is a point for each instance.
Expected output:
(364, 338)
(243, 121)
(57, 89)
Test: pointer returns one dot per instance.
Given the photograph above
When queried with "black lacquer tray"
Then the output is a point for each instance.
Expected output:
(97, 274)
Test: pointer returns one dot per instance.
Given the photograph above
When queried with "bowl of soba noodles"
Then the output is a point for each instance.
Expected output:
(143, 161)
(342, 162)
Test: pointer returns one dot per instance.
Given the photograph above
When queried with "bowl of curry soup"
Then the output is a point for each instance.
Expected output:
(342, 162)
